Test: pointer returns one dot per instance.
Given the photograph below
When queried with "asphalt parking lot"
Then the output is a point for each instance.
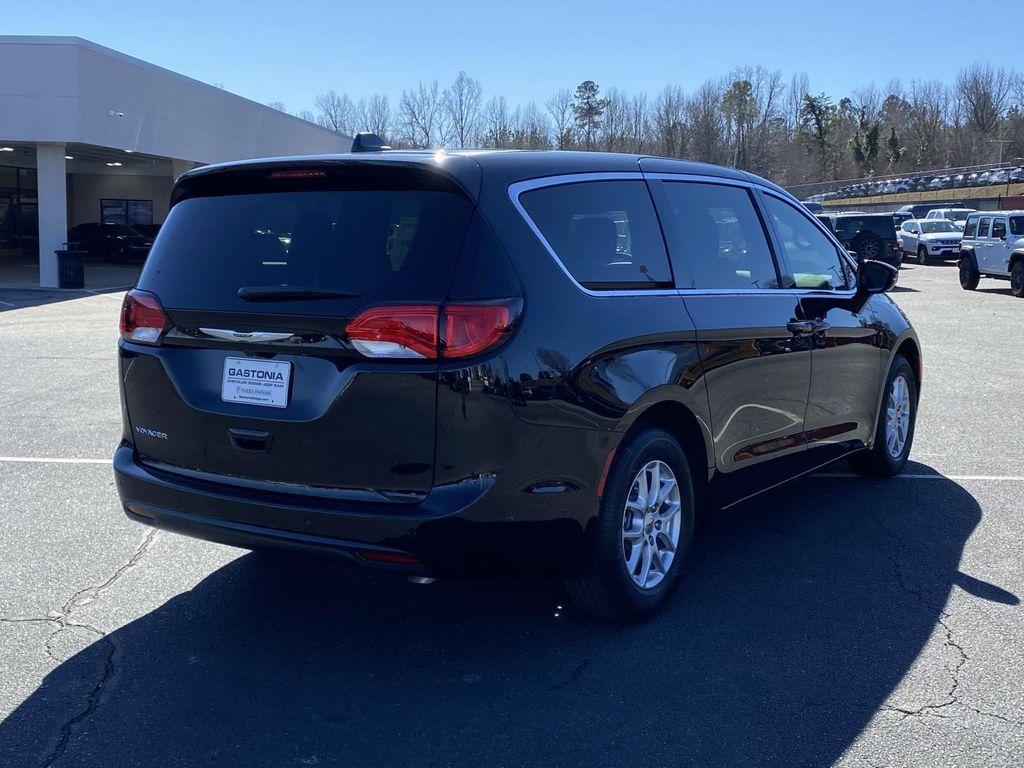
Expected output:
(839, 621)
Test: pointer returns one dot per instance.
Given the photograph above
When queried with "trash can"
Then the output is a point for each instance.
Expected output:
(71, 268)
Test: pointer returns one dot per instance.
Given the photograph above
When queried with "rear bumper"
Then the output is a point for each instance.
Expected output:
(459, 529)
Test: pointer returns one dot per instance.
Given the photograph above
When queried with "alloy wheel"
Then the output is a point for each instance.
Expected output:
(651, 523)
(897, 417)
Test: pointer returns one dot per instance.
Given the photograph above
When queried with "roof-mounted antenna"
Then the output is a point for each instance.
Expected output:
(368, 142)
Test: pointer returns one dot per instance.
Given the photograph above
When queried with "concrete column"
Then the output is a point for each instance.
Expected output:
(53, 209)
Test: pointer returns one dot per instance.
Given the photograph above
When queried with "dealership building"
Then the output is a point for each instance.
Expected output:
(88, 134)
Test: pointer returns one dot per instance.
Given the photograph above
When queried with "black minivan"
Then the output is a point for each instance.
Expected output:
(455, 364)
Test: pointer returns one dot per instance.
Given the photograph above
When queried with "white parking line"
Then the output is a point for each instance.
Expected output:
(51, 460)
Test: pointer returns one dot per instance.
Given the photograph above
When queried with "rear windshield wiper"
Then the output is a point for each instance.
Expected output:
(290, 293)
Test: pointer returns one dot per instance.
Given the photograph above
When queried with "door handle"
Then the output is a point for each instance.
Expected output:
(800, 327)
(807, 327)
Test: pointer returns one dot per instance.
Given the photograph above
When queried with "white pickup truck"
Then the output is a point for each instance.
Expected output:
(993, 246)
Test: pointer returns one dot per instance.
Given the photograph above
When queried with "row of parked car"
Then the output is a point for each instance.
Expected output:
(925, 183)
(984, 243)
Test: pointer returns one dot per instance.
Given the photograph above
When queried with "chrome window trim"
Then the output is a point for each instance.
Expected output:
(520, 187)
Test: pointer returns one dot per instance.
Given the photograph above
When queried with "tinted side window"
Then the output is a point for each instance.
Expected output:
(604, 232)
(1017, 225)
(971, 230)
(999, 229)
(716, 236)
(811, 257)
(983, 227)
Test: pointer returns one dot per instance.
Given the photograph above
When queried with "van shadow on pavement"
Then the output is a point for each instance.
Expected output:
(801, 612)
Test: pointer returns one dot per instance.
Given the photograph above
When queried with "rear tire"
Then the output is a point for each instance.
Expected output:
(868, 247)
(969, 275)
(894, 434)
(610, 585)
(1017, 279)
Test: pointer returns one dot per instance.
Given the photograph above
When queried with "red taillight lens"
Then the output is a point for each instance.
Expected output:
(416, 331)
(395, 331)
(300, 173)
(472, 328)
(142, 318)
(387, 556)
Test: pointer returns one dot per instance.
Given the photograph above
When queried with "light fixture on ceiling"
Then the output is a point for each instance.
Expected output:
(114, 165)
(6, 149)
(68, 157)
(129, 151)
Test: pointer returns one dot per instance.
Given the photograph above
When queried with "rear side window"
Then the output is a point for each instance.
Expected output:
(605, 233)
(715, 236)
(811, 257)
(983, 227)
(1017, 226)
(971, 229)
(999, 229)
(377, 244)
(848, 227)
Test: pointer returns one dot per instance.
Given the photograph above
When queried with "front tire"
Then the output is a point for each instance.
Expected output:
(642, 533)
(969, 275)
(922, 255)
(897, 416)
(1017, 279)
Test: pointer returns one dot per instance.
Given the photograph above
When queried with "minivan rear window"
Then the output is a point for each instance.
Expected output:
(381, 245)
(604, 232)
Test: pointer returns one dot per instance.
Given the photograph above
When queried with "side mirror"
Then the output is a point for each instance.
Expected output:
(875, 277)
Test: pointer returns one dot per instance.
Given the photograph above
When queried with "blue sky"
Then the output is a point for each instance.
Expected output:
(290, 51)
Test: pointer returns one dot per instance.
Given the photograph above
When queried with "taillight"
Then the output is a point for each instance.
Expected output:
(470, 329)
(142, 318)
(395, 332)
(431, 331)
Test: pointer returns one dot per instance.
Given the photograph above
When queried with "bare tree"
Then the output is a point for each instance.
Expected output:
(498, 128)
(335, 112)
(374, 115)
(704, 118)
(531, 128)
(418, 109)
(751, 118)
(559, 106)
(462, 103)
(639, 127)
(928, 103)
(984, 92)
(669, 121)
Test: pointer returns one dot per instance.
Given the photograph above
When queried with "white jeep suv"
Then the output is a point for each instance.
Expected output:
(993, 246)
(930, 239)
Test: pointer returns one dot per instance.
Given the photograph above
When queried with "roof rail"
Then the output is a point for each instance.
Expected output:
(368, 142)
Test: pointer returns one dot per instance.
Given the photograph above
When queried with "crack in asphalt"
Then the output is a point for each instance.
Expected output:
(61, 620)
(574, 676)
(951, 698)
